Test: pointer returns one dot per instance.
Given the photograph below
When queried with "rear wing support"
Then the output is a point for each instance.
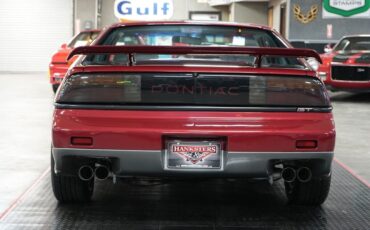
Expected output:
(257, 52)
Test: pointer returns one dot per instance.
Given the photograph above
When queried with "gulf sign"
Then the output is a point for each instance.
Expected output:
(143, 10)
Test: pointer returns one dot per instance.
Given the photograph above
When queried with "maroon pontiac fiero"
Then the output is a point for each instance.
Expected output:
(188, 99)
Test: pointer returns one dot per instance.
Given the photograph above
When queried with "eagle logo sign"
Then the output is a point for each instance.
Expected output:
(305, 18)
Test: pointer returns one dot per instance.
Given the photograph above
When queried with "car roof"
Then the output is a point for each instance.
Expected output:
(186, 22)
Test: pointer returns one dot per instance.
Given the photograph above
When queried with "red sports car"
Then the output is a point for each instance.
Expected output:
(230, 101)
(347, 66)
(59, 64)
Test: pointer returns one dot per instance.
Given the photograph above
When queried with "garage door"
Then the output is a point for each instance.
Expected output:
(31, 30)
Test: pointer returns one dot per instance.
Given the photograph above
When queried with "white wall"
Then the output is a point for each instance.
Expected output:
(31, 30)
(249, 12)
(108, 17)
(183, 7)
(85, 14)
(276, 4)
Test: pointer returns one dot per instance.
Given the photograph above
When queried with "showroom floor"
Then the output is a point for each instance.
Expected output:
(26, 112)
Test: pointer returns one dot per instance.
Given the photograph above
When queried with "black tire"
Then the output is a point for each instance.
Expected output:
(312, 193)
(70, 189)
(55, 87)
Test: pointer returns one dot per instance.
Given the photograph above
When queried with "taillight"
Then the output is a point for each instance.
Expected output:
(306, 144)
(81, 141)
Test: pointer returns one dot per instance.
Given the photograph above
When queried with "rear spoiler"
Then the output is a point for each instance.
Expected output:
(258, 52)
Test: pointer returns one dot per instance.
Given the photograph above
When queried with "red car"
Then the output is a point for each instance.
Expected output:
(231, 101)
(347, 66)
(59, 64)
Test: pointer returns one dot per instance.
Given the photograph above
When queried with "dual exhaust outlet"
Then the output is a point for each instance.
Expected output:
(302, 174)
(101, 172)
(86, 172)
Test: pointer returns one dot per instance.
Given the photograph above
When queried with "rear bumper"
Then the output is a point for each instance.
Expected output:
(151, 163)
(348, 88)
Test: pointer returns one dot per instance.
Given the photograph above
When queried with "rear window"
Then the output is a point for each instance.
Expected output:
(163, 89)
(191, 35)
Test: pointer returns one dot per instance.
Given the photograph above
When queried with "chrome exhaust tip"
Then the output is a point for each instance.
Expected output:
(304, 174)
(85, 173)
(289, 174)
(101, 172)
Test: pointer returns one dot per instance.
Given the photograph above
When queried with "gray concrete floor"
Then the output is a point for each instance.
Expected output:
(352, 121)
(26, 112)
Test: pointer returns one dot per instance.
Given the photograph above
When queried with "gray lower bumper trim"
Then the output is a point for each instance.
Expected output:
(151, 163)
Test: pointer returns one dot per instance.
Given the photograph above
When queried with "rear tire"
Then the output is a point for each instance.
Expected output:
(70, 189)
(313, 192)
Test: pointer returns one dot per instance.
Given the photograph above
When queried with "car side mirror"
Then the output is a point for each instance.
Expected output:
(63, 46)
(328, 48)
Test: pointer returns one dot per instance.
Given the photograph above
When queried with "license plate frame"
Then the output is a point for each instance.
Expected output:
(183, 155)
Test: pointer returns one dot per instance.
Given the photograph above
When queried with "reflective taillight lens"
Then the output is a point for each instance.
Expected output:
(81, 141)
(306, 144)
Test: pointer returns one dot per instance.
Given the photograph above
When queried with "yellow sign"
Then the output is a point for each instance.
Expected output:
(308, 17)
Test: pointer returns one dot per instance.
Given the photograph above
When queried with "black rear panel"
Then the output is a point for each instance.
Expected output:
(350, 73)
(186, 89)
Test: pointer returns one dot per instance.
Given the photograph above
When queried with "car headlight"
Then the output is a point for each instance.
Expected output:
(313, 63)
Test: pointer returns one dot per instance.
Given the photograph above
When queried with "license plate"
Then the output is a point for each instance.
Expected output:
(193, 155)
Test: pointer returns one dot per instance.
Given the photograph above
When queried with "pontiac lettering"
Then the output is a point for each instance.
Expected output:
(192, 90)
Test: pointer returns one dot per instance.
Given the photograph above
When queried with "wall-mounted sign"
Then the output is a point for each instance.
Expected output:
(346, 8)
(305, 17)
(143, 10)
